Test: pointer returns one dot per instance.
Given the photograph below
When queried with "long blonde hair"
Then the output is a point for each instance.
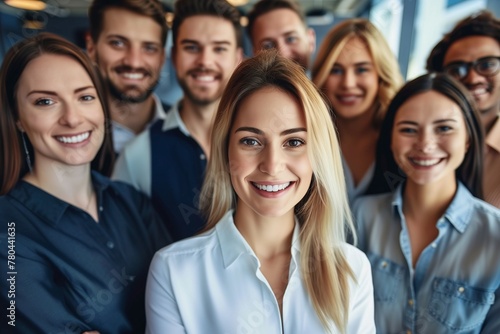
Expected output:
(386, 65)
(323, 214)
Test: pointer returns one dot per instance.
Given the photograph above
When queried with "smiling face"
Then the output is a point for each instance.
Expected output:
(129, 53)
(60, 111)
(269, 164)
(352, 85)
(205, 56)
(283, 29)
(486, 90)
(429, 139)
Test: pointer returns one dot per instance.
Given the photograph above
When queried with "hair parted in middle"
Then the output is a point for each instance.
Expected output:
(384, 61)
(323, 214)
(387, 174)
(13, 164)
(220, 8)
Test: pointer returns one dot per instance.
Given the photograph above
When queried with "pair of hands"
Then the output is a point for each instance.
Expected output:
(91, 332)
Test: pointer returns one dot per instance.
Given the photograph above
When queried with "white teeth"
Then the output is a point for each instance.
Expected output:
(73, 139)
(425, 163)
(133, 76)
(479, 91)
(272, 188)
(205, 78)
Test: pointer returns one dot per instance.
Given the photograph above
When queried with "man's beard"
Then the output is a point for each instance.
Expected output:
(193, 98)
(126, 98)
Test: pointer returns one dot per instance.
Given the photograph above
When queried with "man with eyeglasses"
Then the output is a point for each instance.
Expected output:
(471, 53)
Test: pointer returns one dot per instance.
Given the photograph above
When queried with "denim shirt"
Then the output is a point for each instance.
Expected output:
(454, 286)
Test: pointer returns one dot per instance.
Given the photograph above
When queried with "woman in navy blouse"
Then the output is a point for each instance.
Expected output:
(432, 243)
(74, 247)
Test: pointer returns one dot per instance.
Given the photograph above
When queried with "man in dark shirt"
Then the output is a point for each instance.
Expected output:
(168, 161)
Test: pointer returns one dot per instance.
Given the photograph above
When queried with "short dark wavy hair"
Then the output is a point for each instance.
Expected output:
(150, 8)
(220, 8)
(483, 23)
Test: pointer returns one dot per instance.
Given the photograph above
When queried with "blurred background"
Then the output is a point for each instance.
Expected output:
(412, 27)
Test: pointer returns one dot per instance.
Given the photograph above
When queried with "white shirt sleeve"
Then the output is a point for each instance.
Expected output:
(361, 313)
(162, 312)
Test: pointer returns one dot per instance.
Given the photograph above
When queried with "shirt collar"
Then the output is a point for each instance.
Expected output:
(173, 120)
(458, 213)
(46, 206)
(233, 245)
(159, 111)
(493, 136)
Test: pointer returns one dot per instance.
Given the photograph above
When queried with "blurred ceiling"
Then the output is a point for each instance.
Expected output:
(311, 7)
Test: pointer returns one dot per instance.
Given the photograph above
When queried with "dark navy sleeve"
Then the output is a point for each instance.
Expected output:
(31, 299)
(70, 273)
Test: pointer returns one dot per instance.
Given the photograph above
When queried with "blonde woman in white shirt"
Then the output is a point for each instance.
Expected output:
(273, 258)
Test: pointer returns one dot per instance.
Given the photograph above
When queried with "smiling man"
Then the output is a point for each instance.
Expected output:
(471, 53)
(281, 24)
(127, 40)
(168, 161)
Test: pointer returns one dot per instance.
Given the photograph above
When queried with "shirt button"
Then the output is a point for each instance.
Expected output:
(410, 302)
(384, 264)
(433, 245)
(461, 289)
(110, 244)
(101, 208)
(202, 157)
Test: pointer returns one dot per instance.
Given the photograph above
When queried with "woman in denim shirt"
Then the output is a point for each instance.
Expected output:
(432, 242)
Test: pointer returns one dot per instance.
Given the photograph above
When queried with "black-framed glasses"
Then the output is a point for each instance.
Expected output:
(486, 66)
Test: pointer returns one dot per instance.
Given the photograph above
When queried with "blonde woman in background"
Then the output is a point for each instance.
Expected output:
(273, 258)
(359, 75)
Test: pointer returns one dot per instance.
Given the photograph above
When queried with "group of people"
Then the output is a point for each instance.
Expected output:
(278, 195)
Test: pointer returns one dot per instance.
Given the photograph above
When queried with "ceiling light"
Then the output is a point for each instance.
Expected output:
(27, 4)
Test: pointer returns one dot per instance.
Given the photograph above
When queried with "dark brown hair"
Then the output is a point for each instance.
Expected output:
(265, 6)
(12, 157)
(149, 8)
(483, 23)
(387, 174)
(220, 8)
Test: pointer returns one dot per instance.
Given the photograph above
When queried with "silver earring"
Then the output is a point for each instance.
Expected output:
(28, 159)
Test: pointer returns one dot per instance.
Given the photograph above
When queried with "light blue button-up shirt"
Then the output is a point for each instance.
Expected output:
(454, 287)
(212, 283)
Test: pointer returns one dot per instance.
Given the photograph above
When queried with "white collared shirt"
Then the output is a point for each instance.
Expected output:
(212, 283)
(123, 135)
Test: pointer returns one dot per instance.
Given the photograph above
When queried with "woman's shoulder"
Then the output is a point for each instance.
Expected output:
(196, 245)
(356, 258)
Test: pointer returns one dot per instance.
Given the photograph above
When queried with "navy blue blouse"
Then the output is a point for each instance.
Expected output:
(62, 272)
